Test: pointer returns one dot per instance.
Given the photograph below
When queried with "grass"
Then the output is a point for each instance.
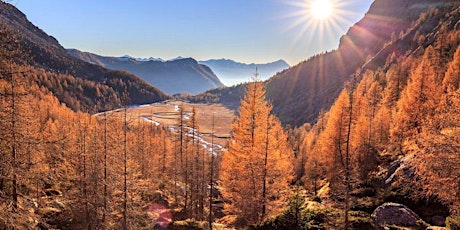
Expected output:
(165, 113)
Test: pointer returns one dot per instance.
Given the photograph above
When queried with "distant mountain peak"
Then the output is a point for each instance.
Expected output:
(232, 72)
(128, 57)
(280, 61)
(177, 58)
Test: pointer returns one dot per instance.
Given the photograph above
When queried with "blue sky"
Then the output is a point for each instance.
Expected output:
(251, 31)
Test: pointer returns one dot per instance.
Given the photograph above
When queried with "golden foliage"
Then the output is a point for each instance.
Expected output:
(256, 170)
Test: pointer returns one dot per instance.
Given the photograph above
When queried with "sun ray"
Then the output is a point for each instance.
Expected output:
(319, 20)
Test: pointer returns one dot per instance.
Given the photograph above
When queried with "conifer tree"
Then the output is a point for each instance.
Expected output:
(438, 159)
(419, 100)
(451, 80)
(335, 144)
(18, 144)
(256, 170)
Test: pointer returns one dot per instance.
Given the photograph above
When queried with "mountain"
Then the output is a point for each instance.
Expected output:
(179, 75)
(232, 72)
(313, 85)
(80, 85)
(299, 93)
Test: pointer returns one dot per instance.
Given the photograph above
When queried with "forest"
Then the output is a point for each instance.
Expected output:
(390, 139)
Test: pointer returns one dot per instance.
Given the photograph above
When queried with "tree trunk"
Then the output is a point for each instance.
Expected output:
(347, 162)
(105, 170)
(14, 141)
(125, 174)
(211, 168)
(264, 186)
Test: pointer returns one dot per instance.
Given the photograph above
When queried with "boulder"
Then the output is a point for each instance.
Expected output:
(438, 220)
(56, 213)
(397, 215)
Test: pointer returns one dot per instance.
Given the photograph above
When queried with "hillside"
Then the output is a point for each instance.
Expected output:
(175, 76)
(392, 135)
(27, 45)
(299, 93)
(233, 73)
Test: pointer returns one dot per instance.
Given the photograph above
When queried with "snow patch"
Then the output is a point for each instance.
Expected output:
(176, 58)
(127, 58)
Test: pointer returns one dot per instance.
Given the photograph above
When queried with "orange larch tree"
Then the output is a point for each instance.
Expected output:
(257, 168)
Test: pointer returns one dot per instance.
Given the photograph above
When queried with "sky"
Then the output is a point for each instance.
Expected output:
(249, 31)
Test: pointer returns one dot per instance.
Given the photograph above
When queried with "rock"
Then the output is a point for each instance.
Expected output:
(436, 228)
(438, 220)
(52, 192)
(49, 212)
(43, 226)
(160, 198)
(56, 213)
(56, 204)
(395, 214)
(399, 169)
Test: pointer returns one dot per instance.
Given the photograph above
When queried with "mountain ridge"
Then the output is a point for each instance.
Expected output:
(182, 75)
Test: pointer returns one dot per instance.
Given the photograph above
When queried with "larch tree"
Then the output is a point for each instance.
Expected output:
(367, 101)
(18, 125)
(180, 152)
(335, 143)
(451, 80)
(257, 168)
(315, 158)
(196, 169)
(439, 160)
(419, 99)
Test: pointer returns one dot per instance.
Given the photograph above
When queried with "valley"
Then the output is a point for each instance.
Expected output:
(166, 113)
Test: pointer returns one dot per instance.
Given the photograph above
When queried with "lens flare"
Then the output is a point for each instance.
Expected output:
(161, 215)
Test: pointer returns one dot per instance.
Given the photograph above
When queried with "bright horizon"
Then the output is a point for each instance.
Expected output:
(244, 31)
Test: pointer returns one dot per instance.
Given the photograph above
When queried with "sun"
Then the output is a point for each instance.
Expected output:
(318, 21)
(321, 9)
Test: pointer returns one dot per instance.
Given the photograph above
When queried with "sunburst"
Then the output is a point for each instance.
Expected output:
(318, 19)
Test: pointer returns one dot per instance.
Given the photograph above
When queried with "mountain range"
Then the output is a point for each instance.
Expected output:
(233, 73)
(179, 75)
(185, 75)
